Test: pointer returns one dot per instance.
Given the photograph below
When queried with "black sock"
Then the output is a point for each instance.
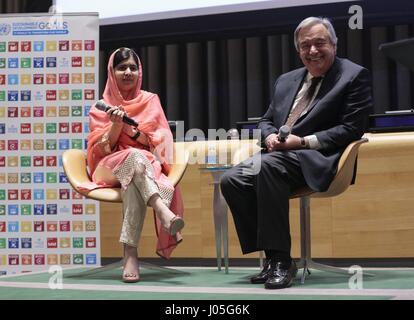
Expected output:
(277, 255)
(268, 254)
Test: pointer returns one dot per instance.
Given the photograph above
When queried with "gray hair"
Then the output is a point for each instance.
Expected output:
(311, 21)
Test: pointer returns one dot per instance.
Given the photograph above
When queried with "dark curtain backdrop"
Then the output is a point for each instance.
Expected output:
(214, 84)
(24, 6)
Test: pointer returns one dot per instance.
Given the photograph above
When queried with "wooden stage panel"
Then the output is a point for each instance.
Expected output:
(372, 219)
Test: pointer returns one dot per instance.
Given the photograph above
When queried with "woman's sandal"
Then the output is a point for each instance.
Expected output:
(176, 224)
(130, 277)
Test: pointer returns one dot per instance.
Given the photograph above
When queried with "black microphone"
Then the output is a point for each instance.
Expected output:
(284, 132)
(101, 105)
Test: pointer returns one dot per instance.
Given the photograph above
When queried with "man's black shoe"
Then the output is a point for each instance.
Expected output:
(263, 275)
(281, 275)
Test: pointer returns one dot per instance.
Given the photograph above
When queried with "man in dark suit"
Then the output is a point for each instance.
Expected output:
(326, 105)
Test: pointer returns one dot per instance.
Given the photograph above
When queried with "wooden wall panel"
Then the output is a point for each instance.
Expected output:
(373, 218)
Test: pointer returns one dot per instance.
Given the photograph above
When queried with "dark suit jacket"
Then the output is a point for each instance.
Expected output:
(338, 115)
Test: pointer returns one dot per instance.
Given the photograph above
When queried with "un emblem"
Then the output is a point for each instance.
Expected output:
(4, 29)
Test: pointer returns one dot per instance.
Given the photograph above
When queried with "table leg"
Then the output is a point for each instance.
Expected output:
(225, 232)
(217, 223)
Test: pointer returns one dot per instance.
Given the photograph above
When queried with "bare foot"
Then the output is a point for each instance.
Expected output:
(131, 266)
(165, 215)
(169, 221)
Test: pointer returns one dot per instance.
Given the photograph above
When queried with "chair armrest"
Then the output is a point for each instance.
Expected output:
(345, 170)
(181, 156)
(74, 165)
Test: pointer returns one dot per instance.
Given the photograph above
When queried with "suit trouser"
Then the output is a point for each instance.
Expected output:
(257, 192)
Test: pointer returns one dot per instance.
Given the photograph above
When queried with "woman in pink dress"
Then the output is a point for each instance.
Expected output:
(135, 158)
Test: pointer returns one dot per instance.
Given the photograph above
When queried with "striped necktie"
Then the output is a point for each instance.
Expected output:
(303, 102)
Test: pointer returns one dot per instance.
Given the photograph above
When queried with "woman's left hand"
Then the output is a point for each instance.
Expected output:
(143, 139)
(131, 131)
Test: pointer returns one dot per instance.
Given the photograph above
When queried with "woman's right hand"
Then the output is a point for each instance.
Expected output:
(116, 114)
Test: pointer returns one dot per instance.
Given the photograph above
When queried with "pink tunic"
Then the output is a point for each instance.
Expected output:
(145, 108)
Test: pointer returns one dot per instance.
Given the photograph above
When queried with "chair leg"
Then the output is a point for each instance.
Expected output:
(110, 266)
(119, 264)
(306, 261)
(261, 259)
(305, 240)
(151, 266)
(303, 263)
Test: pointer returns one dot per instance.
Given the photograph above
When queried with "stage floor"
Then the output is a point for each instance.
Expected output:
(207, 284)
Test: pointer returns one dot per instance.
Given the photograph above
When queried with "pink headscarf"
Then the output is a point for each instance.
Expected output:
(145, 108)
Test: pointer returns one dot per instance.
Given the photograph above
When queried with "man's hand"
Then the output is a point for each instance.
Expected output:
(292, 142)
(270, 141)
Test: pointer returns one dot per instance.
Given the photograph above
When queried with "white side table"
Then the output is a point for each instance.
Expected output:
(220, 216)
